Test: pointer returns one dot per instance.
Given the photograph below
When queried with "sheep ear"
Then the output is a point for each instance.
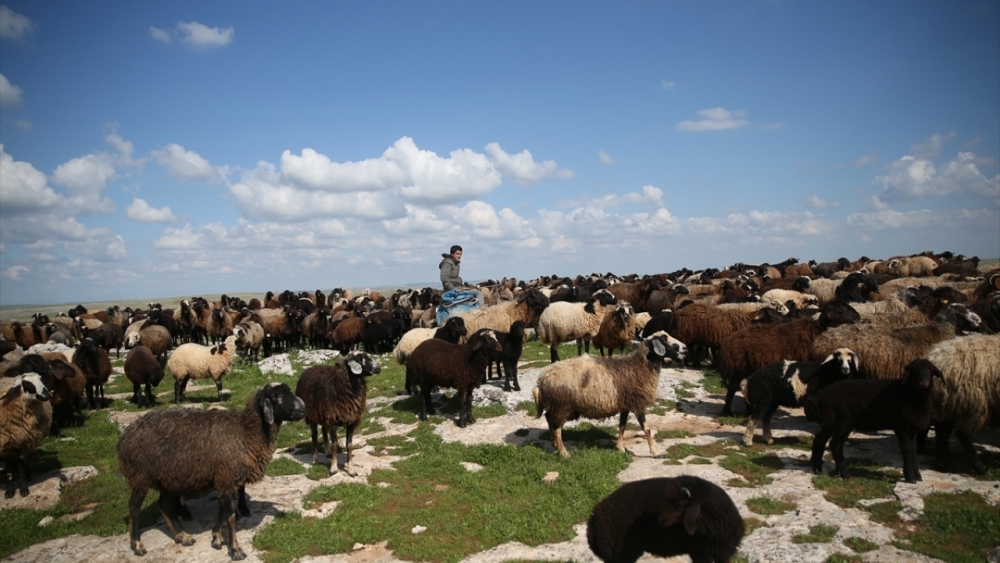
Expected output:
(13, 391)
(691, 514)
(658, 348)
(267, 410)
(355, 367)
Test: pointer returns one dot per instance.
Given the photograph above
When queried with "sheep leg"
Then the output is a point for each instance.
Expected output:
(90, 396)
(837, 447)
(134, 505)
(10, 463)
(818, 447)
(622, 419)
(25, 476)
(511, 373)
(218, 386)
(748, 433)
(768, 439)
(236, 552)
(241, 504)
(100, 391)
(553, 353)
(137, 394)
(965, 440)
(169, 509)
(558, 442)
(315, 440)
(149, 394)
(908, 447)
(641, 417)
(349, 446)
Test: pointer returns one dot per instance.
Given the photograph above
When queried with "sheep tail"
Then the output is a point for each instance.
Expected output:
(537, 394)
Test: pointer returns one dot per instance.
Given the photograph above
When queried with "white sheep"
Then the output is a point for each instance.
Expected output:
(800, 299)
(603, 387)
(914, 266)
(25, 420)
(563, 321)
(194, 361)
(969, 393)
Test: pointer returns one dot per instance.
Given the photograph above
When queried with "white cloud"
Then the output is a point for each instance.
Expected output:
(185, 164)
(522, 168)
(605, 158)
(714, 119)
(201, 37)
(159, 35)
(14, 272)
(14, 25)
(11, 96)
(889, 219)
(316, 171)
(47, 231)
(465, 175)
(84, 175)
(912, 178)
(817, 203)
(23, 125)
(141, 211)
(24, 187)
(931, 148)
(668, 86)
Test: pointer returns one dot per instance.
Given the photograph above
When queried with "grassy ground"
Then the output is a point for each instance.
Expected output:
(467, 512)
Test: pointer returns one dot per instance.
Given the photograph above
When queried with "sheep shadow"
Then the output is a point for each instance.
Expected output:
(204, 509)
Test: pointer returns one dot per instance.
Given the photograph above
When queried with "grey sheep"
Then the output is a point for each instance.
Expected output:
(335, 395)
(603, 387)
(666, 516)
(184, 451)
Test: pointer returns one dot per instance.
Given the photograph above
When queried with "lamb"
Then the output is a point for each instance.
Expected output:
(67, 386)
(463, 367)
(527, 308)
(452, 331)
(249, 338)
(562, 322)
(603, 387)
(747, 350)
(901, 405)
(95, 364)
(25, 417)
(194, 361)
(888, 349)
(665, 517)
(335, 395)
(511, 346)
(968, 395)
(783, 384)
(184, 451)
(348, 333)
(617, 329)
(141, 368)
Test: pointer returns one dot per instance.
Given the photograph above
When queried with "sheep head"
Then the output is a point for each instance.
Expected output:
(661, 346)
(920, 373)
(276, 404)
(848, 360)
(28, 386)
(360, 363)
(677, 507)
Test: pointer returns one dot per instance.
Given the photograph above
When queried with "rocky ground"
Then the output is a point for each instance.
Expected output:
(770, 543)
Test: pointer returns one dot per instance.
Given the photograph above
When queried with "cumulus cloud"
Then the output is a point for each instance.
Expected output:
(714, 119)
(14, 25)
(24, 188)
(14, 272)
(931, 148)
(818, 203)
(316, 171)
(522, 168)
(185, 165)
(47, 231)
(141, 211)
(159, 35)
(85, 174)
(605, 158)
(912, 177)
(201, 37)
(11, 96)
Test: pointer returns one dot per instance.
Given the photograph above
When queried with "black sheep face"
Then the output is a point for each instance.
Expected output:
(662, 345)
(847, 359)
(920, 373)
(360, 363)
(277, 403)
(677, 508)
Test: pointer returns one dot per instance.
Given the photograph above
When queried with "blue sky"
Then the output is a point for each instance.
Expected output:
(177, 149)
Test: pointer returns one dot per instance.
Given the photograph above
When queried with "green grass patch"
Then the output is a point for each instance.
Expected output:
(662, 407)
(866, 482)
(885, 512)
(956, 528)
(682, 394)
(463, 512)
(751, 524)
(820, 533)
(753, 468)
(860, 545)
(711, 381)
(526, 406)
(843, 558)
(767, 506)
(285, 466)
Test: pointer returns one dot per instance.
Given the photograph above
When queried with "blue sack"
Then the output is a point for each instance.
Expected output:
(455, 301)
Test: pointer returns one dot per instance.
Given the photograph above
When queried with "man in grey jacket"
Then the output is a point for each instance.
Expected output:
(450, 266)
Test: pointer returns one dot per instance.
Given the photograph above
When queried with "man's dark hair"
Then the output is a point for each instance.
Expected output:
(454, 248)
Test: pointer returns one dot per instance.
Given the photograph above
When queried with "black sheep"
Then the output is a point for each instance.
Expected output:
(109, 336)
(463, 367)
(901, 405)
(95, 364)
(666, 517)
(511, 344)
(783, 384)
(334, 396)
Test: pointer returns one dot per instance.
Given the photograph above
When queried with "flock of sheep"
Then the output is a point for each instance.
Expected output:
(901, 344)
